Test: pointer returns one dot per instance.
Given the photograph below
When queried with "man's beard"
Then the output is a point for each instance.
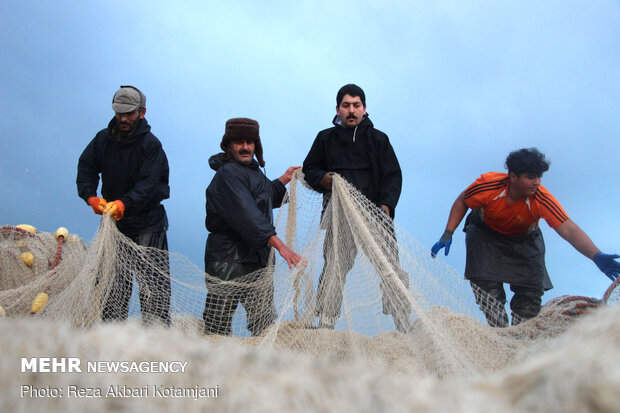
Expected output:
(132, 127)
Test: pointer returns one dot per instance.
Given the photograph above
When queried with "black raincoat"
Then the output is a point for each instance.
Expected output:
(362, 155)
(239, 206)
(133, 170)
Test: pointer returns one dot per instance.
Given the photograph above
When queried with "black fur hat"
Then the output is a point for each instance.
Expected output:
(243, 128)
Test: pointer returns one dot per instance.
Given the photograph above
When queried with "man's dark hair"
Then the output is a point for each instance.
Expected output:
(529, 161)
(351, 90)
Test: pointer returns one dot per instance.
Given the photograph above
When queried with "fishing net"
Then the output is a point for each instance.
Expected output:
(612, 294)
(366, 290)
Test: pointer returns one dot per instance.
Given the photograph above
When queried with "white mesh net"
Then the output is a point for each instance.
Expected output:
(612, 294)
(368, 291)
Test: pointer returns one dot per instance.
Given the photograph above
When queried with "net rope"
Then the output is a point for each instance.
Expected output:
(367, 290)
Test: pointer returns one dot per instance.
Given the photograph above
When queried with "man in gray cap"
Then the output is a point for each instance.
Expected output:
(134, 173)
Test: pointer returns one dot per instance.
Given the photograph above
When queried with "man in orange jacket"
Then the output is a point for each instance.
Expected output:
(504, 242)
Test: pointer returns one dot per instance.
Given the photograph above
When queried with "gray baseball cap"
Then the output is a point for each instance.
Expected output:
(127, 99)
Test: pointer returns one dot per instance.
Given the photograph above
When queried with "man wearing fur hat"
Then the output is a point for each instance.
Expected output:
(362, 155)
(134, 173)
(239, 219)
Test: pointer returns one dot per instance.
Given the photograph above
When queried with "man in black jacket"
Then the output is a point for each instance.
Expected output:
(239, 219)
(363, 156)
(134, 174)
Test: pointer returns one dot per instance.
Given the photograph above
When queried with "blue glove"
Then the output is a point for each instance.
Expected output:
(444, 241)
(607, 264)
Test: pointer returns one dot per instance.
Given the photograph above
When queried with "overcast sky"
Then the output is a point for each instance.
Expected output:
(456, 85)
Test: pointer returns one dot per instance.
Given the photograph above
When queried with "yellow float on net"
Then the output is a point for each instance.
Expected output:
(62, 232)
(27, 227)
(27, 258)
(38, 303)
(2, 312)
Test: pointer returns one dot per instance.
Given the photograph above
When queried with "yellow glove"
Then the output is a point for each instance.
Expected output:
(115, 208)
(98, 204)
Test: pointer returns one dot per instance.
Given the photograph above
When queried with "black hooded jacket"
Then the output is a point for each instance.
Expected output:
(240, 199)
(362, 155)
(133, 170)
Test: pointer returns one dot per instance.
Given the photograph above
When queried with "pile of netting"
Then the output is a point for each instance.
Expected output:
(367, 291)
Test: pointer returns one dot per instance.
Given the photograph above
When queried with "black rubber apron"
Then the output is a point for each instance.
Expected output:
(497, 257)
